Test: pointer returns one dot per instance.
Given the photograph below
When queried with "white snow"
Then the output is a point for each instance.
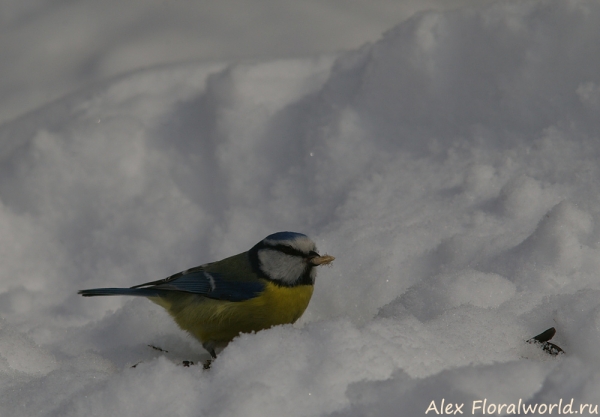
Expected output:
(451, 167)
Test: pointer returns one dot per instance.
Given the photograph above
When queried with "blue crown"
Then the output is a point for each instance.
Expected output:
(285, 236)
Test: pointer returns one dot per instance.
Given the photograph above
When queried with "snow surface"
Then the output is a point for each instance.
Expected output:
(451, 168)
(49, 48)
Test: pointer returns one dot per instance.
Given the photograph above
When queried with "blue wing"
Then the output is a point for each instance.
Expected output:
(209, 284)
(198, 280)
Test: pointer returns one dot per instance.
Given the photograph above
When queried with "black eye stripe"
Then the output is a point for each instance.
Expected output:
(288, 250)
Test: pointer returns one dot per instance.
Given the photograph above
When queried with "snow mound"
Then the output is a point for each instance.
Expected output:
(451, 168)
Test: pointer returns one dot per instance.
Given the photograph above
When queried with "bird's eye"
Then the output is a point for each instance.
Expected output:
(313, 254)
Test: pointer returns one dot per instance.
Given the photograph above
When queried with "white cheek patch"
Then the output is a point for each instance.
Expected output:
(280, 266)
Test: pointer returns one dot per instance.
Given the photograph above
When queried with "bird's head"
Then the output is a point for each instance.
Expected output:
(288, 259)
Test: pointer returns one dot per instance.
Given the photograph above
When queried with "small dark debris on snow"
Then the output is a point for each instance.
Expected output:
(542, 340)
(157, 348)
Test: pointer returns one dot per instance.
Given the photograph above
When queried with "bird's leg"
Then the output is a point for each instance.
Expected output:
(210, 347)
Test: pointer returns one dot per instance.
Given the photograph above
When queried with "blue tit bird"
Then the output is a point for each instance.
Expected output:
(270, 284)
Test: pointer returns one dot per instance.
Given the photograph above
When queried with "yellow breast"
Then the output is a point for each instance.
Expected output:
(220, 321)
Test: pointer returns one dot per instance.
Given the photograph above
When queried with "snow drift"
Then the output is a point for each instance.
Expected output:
(451, 168)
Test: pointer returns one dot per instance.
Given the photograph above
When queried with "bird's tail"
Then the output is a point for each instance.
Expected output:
(143, 292)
